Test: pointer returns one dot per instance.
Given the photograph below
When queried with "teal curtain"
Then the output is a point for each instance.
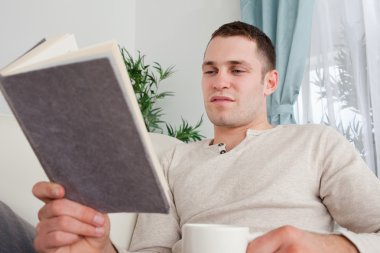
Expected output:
(288, 24)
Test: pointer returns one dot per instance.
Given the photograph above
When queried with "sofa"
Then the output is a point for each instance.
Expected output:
(20, 170)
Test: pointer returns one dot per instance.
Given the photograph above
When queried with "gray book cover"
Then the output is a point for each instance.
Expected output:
(82, 131)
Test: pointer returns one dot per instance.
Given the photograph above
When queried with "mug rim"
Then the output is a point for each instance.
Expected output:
(213, 226)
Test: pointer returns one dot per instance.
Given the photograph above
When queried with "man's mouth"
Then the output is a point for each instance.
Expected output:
(221, 99)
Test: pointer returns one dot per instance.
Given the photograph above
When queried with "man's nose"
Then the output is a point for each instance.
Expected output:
(221, 81)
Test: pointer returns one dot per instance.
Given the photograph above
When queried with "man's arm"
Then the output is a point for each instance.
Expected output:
(289, 239)
(351, 193)
(158, 232)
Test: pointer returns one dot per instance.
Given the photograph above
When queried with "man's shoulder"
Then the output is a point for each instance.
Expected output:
(182, 148)
(309, 132)
(308, 128)
(195, 145)
(182, 151)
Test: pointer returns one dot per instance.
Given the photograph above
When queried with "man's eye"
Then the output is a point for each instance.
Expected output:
(209, 72)
(237, 71)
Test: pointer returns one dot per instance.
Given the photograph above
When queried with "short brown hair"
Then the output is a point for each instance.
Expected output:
(264, 44)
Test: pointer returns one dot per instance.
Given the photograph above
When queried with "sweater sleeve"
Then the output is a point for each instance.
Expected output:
(156, 233)
(351, 192)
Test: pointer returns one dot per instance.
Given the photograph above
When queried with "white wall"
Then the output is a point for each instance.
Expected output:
(176, 32)
(25, 22)
(171, 32)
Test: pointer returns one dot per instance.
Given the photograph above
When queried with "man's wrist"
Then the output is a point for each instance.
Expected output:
(110, 248)
(339, 243)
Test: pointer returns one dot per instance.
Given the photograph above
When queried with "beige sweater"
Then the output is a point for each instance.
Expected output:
(307, 176)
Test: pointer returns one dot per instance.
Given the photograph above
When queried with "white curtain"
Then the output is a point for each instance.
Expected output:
(341, 85)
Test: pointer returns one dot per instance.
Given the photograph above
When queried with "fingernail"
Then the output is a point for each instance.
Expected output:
(99, 219)
(99, 231)
(56, 192)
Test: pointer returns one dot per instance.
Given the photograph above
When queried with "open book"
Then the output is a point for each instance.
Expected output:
(78, 110)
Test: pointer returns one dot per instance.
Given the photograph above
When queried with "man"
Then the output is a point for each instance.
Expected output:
(290, 182)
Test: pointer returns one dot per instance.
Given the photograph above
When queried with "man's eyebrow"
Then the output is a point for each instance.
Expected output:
(208, 63)
(238, 63)
(232, 62)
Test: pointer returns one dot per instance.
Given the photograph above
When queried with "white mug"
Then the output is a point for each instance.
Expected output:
(214, 238)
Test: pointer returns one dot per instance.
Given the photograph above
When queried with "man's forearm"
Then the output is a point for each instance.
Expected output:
(291, 239)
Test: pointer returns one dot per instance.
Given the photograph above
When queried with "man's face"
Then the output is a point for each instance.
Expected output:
(234, 88)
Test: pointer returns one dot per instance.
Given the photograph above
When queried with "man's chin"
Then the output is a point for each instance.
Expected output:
(223, 122)
(227, 119)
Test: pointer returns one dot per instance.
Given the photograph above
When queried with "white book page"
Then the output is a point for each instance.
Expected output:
(51, 48)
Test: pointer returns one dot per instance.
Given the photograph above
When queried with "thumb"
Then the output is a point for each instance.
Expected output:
(48, 191)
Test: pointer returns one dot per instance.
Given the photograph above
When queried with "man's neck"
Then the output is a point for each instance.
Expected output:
(232, 136)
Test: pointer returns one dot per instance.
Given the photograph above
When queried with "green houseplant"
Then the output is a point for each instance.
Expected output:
(146, 81)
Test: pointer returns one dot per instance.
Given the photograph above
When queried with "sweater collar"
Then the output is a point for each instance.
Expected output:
(250, 133)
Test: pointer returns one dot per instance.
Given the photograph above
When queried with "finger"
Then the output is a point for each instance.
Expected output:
(69, 225)
(60, 232)
(263, 245)
(47, 191)
(65, 207)
(54, 240)
(275, 240)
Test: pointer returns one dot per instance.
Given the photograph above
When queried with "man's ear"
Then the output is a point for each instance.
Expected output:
(270, 82)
